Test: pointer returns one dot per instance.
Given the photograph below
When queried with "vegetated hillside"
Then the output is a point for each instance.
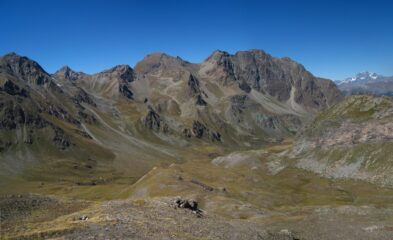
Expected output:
(353, 139)
(92, 129)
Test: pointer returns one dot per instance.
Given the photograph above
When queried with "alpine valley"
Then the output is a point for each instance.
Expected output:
(239, 146)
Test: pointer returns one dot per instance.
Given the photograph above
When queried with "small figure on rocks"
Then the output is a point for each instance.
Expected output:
(188, 204)
(84, 218)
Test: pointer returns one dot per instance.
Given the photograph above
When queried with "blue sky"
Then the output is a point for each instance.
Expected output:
(332, 39)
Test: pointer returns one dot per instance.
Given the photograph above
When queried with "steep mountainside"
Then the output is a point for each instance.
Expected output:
(40, 122)
(52, 128)
(353, 139)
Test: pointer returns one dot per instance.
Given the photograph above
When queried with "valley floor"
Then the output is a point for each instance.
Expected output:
(242, 195)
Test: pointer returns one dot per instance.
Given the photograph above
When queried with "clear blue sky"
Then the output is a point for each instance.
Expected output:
(332, 39)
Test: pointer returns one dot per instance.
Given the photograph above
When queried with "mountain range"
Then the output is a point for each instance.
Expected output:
(139, 116)
(366, 82)
(239, 146)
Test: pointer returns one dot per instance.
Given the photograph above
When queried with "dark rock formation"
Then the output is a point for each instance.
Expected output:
(188, 204)
(60, 113)
(13, 89)
(82, 96)
(87, 118)
(198, 129)
(60, 139)
(152, 120)
(125, 91)
(194, 90)
(14, 116)
(215, 136)
(245, 87)
(200, 101)
(193, 86)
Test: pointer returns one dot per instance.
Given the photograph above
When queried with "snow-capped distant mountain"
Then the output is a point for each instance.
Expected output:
(363, 77)
(366, 82)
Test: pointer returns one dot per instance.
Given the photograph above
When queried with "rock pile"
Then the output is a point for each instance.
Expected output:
(188, 204)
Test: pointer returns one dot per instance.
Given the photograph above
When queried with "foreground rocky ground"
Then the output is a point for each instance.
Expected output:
(243, 195)
(160, 219)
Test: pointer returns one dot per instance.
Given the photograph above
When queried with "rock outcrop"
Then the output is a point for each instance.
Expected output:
(152, 120)
(13, 89)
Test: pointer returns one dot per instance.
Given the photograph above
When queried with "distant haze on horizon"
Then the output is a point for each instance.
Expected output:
(332, 39)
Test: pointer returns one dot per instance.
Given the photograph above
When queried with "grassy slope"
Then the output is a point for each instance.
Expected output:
(371, 159)
(287, 198)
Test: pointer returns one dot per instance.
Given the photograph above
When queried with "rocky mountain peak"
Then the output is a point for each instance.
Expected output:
(67, 73)
(156, 61)
(65, 68)
(124, 72)
(366, 82)
(11, 54)
(367, 76)
(253, 53)
(120, 69)
(255, 69)
(363, 77)
(218, 54)
(24, 68)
